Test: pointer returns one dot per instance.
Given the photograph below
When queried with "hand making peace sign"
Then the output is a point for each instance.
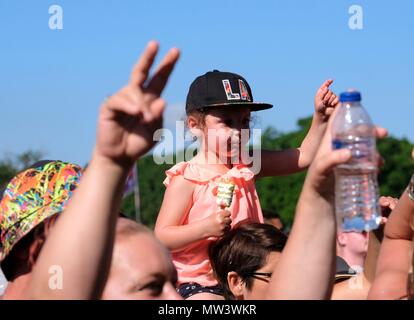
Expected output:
(129, 118)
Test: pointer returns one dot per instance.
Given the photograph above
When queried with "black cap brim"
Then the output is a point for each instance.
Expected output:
(254, 106)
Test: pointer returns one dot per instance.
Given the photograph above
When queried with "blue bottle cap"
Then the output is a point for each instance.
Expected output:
(350, 96)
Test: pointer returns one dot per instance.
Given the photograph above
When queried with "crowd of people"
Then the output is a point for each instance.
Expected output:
(63, 235)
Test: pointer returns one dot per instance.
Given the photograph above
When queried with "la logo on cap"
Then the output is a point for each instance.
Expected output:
(244, 94)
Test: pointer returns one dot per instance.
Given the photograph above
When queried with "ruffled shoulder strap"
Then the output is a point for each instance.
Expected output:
(189, 171)
(237, 174)
(240, 172)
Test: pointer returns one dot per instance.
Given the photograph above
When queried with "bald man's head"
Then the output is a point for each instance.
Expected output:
(141, 266)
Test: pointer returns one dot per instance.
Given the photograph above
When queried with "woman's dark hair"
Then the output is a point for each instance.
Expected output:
(244, 250)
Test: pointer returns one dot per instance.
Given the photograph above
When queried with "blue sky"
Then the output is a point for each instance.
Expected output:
(53, 81)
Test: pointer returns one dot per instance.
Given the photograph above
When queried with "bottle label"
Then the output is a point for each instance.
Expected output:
(362, 148)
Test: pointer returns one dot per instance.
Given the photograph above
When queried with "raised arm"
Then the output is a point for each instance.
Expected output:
(81, 242)
(306, 268)
(395, 258)
(283, 162)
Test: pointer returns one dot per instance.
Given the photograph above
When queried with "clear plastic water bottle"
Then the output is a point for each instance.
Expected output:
(356, 184)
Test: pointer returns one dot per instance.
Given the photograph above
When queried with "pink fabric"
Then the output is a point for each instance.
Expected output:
(192, 262)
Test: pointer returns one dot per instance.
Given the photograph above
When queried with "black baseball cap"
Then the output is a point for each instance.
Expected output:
(221, 89)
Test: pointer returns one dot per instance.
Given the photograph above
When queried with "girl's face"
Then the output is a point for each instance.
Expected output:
(225, 131)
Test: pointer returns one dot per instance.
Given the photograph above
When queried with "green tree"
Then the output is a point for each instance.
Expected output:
(151, 177)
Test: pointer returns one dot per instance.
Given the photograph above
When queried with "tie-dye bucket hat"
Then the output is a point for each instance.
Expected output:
(32, 196)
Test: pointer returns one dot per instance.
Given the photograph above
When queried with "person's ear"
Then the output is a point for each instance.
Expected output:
(236, 284)
(341, 238)
(194, 126)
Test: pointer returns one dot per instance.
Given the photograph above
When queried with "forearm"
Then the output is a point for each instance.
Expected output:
(289, 161)
(309, 255)
(394, 264)
(311, 143)
(81, 242)
(399, 225)
(394, 260)
(178, 237)
(279, 162)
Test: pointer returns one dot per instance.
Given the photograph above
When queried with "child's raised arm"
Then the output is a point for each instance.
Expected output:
(81, 242)
(176, 205)
(306, 268)
(283, 162)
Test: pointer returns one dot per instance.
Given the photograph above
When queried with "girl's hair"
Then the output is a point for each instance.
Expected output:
(244, 250)
(199, 115)
(24, 255)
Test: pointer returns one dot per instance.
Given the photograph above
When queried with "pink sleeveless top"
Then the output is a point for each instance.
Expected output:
(192, 262)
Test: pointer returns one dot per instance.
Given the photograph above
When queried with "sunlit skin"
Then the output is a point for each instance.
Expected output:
(131, 279)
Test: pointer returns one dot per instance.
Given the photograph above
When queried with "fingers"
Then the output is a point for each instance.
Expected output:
(333, 100)
(326, 84)
(381, 132)
(161, 75)
(121, 102)
(330, 98)
(325, 164)
(157, 109)
(324, 88)
(388, 202)
(387, 205)
(383, 201)
(327, 97)
(140, 72)
(224, 214)
(225, 217)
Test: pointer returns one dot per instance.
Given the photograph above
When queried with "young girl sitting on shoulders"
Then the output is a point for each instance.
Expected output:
(219, 106)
